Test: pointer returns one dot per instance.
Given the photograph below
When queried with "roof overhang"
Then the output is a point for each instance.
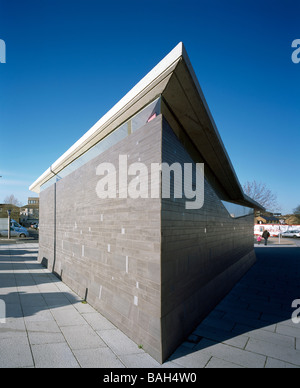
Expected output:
(174, 79)
(151, 86)
(185, 99)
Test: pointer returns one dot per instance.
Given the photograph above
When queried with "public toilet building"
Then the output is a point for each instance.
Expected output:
(154, 265)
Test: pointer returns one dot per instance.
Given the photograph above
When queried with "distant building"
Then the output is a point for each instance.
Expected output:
(292, 219)
(33, 201)
(151, 265)
(29, 213)
(267, 220)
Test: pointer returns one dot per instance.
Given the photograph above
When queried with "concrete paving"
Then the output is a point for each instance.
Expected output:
(43, 323)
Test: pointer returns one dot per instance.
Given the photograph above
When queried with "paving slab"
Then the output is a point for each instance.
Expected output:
(68, 316)
(215, 362)
(82, 337)
(97, 321)
(231, 354)
(15, 353)
(57, 355)
(47, 325)
(277, 364)
(267, 336)
(140, 360)
(186, 358)
(34, 314)
(14, 327)
(279, 352)
(119, 342)
(98, 358)
(41, 332)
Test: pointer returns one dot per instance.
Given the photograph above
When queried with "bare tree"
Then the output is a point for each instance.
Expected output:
(261, 194)
(12, 200)
(297, 211)
(295, 218)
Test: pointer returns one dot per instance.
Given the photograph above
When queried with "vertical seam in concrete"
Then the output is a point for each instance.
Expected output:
(160, 236)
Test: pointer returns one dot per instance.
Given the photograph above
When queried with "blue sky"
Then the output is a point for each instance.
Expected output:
(69, 61)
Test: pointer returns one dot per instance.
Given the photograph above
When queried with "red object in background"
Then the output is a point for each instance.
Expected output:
(152, 117)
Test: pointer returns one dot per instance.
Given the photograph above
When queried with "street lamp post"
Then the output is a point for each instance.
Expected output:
(9, 214)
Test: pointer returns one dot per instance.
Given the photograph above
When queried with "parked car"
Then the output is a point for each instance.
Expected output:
(16, 230)
(291, 233)
(275, 233)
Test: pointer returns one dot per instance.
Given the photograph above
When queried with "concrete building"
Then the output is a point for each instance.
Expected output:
(29, 213)
(149, 263)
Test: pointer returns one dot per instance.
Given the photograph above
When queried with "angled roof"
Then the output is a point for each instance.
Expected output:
(174, 79)
(269, 218)
(30, 206)
(9, 205)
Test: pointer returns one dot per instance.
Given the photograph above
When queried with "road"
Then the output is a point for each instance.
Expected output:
(289, 241)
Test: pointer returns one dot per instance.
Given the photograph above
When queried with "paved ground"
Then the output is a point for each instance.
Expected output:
(280, 241)
(48, 326)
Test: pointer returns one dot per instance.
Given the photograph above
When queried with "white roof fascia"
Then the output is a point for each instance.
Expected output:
(164, 64)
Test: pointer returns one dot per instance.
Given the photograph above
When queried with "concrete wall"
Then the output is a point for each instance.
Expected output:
(204, 253)
(150, 266)
(109, 248)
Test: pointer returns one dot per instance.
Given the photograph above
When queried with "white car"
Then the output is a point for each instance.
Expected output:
(291, 233)
(276, 233)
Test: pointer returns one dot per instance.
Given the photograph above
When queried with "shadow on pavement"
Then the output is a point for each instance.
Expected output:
(15, 252)
(23, 304)
(19, 270)
(262, 299)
